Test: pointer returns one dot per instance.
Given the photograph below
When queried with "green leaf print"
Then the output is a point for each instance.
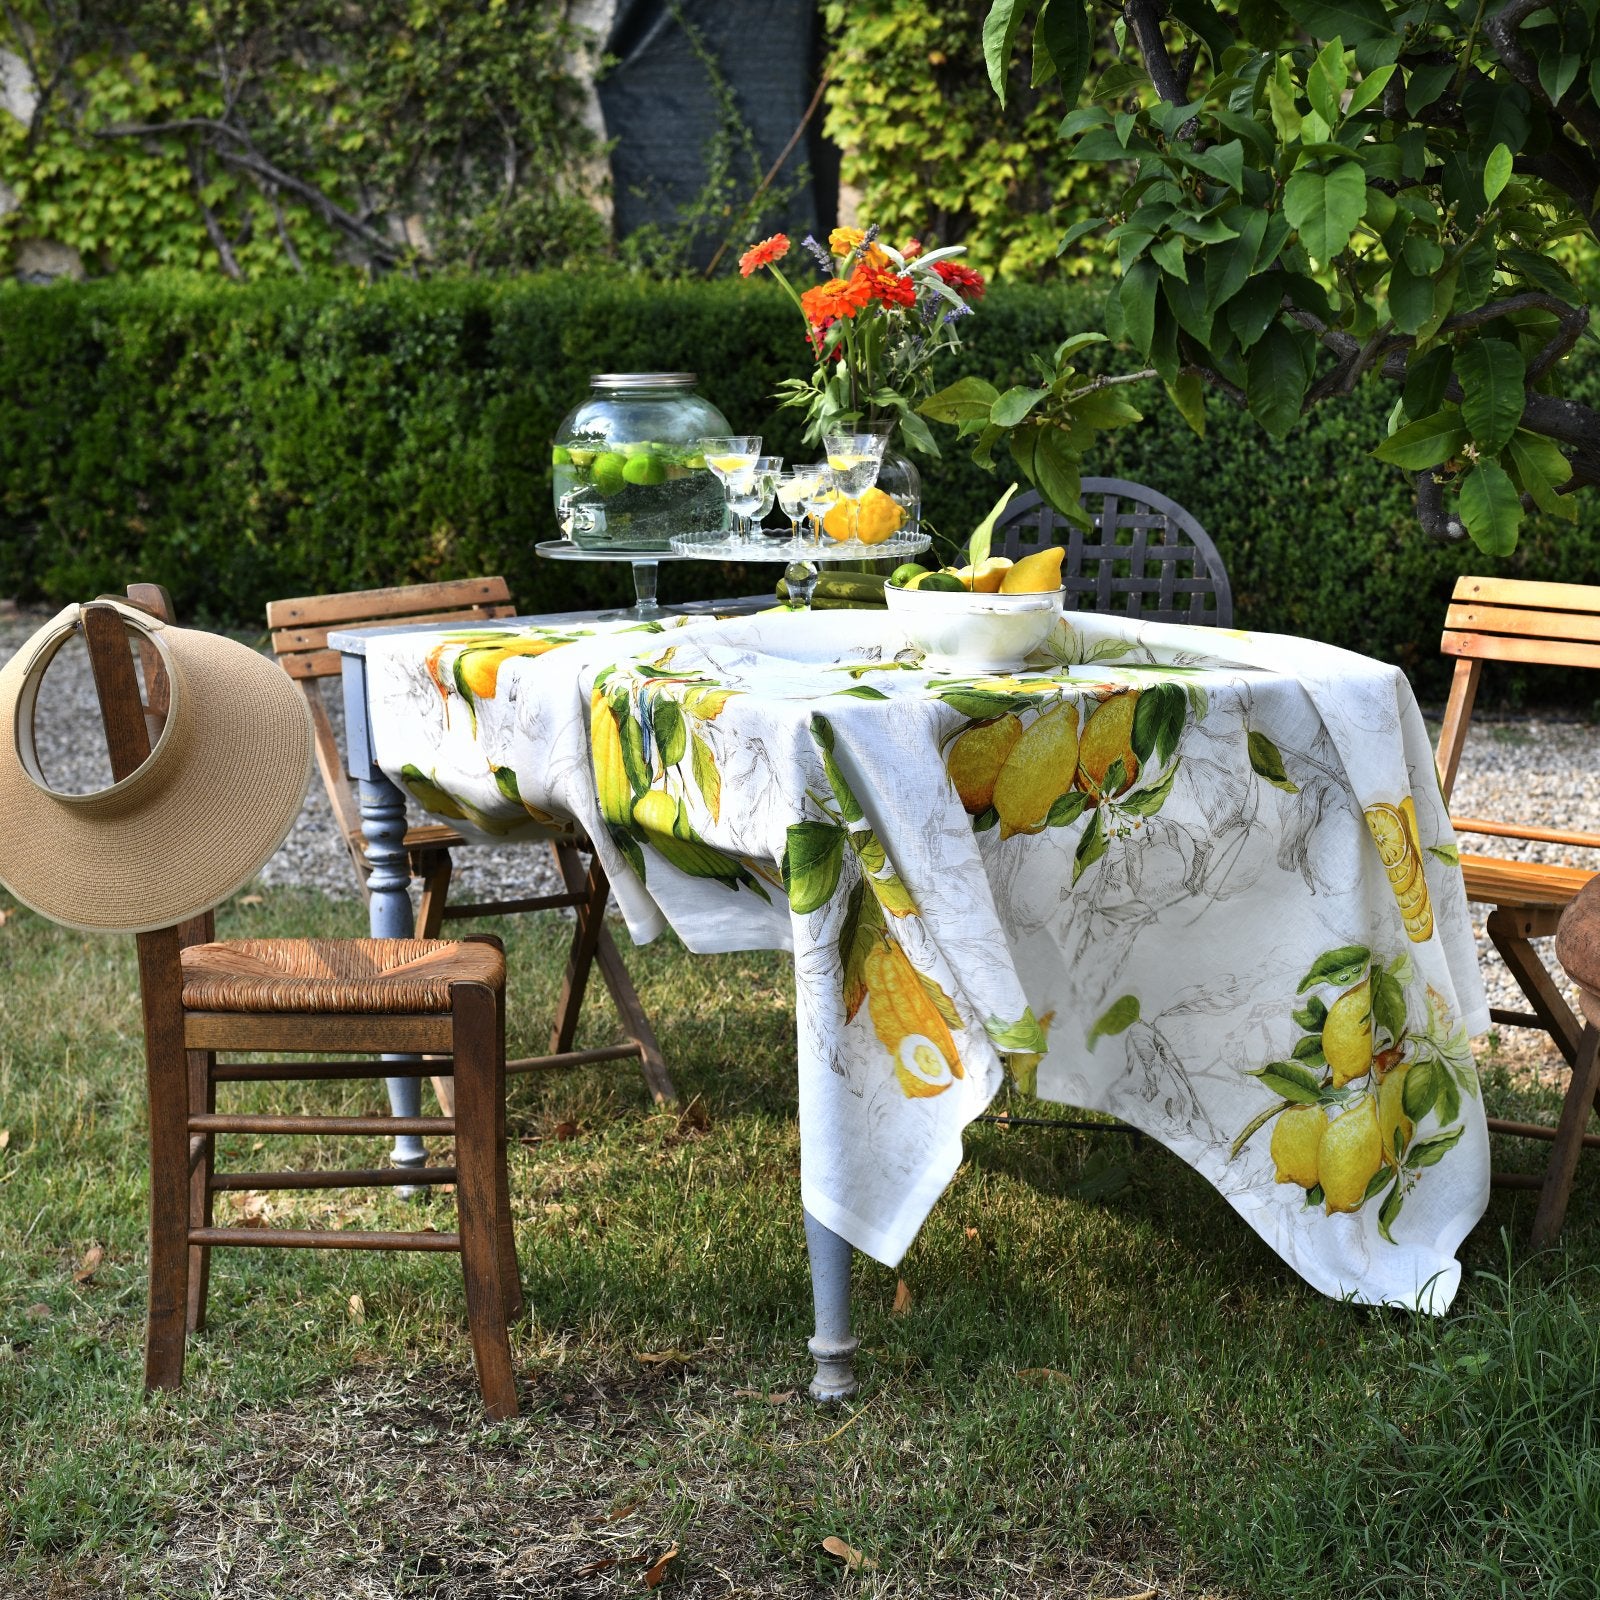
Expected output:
(1158, 722)
(1267, 762)
(812, 858)
(1292, 1081)
(707, 779)
(666, 723)
(1337, 967)
(1119, 1016)
(505, 780)
(1090, 847)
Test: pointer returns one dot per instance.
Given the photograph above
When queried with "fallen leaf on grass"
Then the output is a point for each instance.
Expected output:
(38, 1313)
(92, 1257)
(777, 1397)
(250, 900)
(566, 1131)
(658, 1568)
(1049, 1374)
(902, 1299)
(853, 1559)
(597, 1566)
(972, 1233)
(358, 1310)
(622, 1511)
(5, 1138)
(1143, 1594)
(694, 1118)
(665, 1358)
(6, 914)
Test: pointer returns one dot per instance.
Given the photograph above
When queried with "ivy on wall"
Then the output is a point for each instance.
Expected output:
(263, 136)
(934, 155)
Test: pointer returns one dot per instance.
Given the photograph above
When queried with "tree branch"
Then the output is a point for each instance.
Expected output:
(1501, 32)
(1144, 23)
(1431, 513)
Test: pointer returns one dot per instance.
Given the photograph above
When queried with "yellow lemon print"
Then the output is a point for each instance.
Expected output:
(612, 789)
(1107, 739)
(908, 1023)
(1037, 772)
(976, 757)
(1394, 831)
(480, 669)
(1392, 1116)
(1351, 1153)
(1296, 1144)
(1347, 1034)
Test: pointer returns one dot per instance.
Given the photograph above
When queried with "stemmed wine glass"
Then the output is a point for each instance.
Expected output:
(818, 493)
(768, 471)
(750, 494)
(732, 458)
(823, 492)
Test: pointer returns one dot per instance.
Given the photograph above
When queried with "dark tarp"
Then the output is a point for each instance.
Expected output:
(660, 110)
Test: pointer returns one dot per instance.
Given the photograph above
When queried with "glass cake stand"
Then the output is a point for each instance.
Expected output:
(800, 557)
(643, 562)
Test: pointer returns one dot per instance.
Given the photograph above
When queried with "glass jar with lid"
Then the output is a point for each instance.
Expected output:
(627, 470)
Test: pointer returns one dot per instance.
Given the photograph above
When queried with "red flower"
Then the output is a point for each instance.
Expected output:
(885, 286)
(962, 279)
(764, 254)
(912, 250)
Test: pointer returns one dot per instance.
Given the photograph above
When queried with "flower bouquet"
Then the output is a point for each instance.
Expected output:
(875, 325)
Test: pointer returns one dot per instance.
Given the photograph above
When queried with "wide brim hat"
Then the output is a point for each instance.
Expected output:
(196, 821)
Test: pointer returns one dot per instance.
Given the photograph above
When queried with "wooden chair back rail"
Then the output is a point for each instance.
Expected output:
(338, 1178)
(1545, 624)
(326, 1239)
(1527, 831)
(1145, 550)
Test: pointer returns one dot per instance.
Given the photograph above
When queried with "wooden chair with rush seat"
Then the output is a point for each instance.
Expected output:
(300, 629)
(202, 1000)
(1542, 624)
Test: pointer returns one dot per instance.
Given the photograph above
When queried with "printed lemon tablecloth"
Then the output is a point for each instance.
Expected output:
(1201, 880)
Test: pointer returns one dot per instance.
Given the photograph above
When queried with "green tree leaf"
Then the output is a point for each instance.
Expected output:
(1276, 381)
(1496, 173)
(1543, 469)
(1491, 508)
(1324, 208)
(1014, 405)
(1062, 36)
(1353, 21)
(1425, 443)
(999, 38)
(1492, 374)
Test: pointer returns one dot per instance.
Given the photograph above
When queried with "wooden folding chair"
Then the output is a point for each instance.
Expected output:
(338, 997)
(300, 631)
(1544, 624)
(1146, 556)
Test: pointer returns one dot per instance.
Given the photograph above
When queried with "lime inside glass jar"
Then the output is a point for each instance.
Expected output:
(628, 475)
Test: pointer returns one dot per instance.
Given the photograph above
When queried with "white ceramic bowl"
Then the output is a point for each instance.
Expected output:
(972, 631)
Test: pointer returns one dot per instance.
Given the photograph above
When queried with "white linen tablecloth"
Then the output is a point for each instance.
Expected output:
(1201, 880)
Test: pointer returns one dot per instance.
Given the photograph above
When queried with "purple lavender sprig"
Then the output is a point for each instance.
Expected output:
(818, 253)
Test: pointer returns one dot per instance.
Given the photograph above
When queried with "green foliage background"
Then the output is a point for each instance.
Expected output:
(935, 156)
(464, 117)
(242, 443)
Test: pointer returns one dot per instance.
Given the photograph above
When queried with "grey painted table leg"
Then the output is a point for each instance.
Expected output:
(832, 1346)
(389, 914)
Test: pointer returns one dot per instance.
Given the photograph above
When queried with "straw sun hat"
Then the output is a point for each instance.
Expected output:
(196, 821)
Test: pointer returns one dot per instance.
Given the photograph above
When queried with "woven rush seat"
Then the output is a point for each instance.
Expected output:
(1503, 882)
(347, 976)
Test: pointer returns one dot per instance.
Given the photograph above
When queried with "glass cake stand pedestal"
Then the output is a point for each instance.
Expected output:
(801, 557)
(643, 562)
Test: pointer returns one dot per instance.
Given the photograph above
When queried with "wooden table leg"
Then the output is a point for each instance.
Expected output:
(832, 1346)
(389, 914)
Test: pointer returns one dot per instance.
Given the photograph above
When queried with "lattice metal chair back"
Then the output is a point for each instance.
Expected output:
(1145, 556)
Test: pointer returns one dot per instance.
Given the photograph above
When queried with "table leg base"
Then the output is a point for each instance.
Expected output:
(836, 1372)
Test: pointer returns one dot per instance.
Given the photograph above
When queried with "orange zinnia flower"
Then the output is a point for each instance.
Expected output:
(837, 298)
(885, 286)
(764, 254)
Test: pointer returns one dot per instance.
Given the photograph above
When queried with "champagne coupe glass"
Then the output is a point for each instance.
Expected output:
(855, 459)
(730, 457)
(792, 488)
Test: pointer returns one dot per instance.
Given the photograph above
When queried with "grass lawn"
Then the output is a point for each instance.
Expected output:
(1103, 1384)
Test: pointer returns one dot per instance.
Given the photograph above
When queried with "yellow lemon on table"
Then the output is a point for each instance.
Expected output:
(987, 576)
(1038, 771)
(1347, 1034)
(1351, 1153)
(839, 523)
(1035, 574)
(976, 757)
(1296, 1145)
(1107, 739)
(879, 517)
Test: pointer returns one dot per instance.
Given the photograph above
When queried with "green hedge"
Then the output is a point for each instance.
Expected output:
(244, 443)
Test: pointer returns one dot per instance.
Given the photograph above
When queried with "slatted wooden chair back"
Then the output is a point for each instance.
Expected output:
(1528, 624)
(300, 630)
(1145, 555)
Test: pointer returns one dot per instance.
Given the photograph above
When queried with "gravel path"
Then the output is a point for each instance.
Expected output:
(1517, 769)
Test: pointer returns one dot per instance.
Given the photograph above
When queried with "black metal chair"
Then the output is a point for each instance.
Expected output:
(1143, 548)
